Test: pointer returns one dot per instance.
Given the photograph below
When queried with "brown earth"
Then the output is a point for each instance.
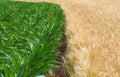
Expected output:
(93, 37)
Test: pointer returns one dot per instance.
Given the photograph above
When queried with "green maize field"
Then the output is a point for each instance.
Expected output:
(29, 35)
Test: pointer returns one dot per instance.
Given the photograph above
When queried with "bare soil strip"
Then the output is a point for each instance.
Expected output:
(93, 35)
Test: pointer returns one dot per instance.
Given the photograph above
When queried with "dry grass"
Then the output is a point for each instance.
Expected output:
(92, 32)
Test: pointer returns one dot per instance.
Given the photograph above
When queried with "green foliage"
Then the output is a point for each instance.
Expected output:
(29, 35)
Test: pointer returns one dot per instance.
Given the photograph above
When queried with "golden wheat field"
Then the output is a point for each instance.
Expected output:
(93, 35)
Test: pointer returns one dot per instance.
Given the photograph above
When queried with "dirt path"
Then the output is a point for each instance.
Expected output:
(93, 34)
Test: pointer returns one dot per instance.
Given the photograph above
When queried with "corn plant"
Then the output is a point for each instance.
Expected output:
(29, 35)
